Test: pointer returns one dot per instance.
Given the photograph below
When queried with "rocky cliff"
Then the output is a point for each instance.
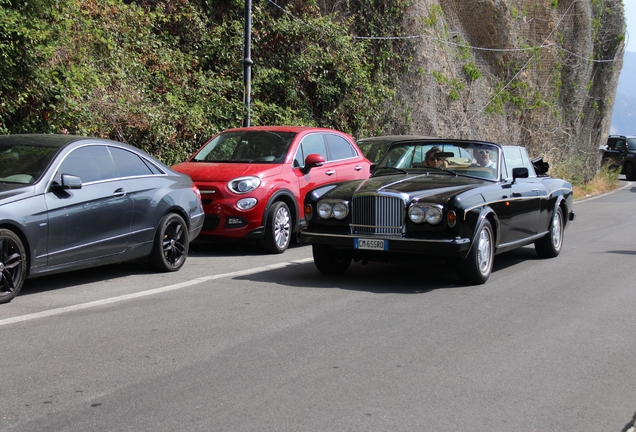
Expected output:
(539, 73)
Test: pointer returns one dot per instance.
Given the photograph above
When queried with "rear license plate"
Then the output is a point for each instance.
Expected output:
(370, 244)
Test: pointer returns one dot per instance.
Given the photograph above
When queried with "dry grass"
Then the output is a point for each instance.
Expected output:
(605, 180)
(598, 185)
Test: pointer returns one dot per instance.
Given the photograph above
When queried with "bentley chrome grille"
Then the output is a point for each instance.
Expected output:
(377, 215)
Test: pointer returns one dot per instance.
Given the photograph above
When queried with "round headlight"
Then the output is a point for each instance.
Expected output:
(433, 215)
(244, 185)
(416, 214)
(325, 210)
(340, 210)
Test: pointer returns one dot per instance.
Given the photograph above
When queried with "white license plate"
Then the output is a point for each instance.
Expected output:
(370, 244)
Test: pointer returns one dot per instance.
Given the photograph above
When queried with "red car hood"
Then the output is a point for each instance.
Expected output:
(223, 172)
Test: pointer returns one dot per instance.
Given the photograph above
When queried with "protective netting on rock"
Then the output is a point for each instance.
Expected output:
(541, 74)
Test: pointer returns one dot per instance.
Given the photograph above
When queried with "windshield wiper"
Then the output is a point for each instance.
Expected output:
(390, 169)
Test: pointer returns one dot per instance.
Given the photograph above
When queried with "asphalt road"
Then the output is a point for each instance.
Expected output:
(241, 341)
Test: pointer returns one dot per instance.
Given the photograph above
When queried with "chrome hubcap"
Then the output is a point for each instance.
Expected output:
(556, 230)
(484, 249)
(282, 228)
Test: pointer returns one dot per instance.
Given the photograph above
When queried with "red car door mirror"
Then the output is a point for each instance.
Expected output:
(313, 160)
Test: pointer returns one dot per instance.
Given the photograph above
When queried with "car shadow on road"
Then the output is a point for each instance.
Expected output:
(82, 277)
(218, 247)
(414, 277)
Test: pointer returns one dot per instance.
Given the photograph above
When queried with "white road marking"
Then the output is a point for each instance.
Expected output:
(150, 292)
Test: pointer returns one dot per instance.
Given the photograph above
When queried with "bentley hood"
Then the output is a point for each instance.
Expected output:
(419, 186)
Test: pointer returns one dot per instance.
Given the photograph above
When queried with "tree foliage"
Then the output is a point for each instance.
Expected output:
(165, 75)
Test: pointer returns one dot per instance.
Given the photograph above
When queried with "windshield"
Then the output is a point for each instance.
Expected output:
(247, 147)
(462, 158)
(23, 163)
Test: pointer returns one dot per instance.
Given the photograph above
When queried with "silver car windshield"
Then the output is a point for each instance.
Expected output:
(23, 163)
(247, 147)
(470, 159)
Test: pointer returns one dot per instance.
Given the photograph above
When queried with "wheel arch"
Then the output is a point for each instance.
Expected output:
(25, 242)
(288, 198)
(486, 214)
(489, 214)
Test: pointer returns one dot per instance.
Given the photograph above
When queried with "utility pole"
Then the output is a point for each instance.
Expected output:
(247, 62)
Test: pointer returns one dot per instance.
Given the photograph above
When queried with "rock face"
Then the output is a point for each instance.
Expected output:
(537, 73)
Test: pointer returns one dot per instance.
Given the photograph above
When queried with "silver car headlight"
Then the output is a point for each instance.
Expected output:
(335, 209)
(325, 210)
(243, 185)
(431, 214)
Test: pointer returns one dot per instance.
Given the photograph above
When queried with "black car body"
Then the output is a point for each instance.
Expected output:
(69, 202)
(463, 211)
(620, 152)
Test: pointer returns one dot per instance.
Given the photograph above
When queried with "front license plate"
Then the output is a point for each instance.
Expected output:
(370, 244)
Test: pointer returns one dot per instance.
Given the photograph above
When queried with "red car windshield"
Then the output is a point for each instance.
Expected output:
(247, 147)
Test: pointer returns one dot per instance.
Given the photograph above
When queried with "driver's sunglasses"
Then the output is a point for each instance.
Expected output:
(484, 152)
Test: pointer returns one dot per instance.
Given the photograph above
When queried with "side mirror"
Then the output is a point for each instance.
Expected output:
(519, 173)
(312, 160)
(71, 182)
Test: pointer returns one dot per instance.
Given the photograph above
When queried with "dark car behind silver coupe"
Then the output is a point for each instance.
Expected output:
(69, 202)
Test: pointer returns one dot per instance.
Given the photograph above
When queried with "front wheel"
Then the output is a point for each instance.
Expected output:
(476, 267)
(278, 229)
(12, 265)
(330, 261)
(171, 244)
(550, 245)
(630, 172)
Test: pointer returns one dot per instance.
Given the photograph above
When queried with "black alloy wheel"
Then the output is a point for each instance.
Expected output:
(170, 248)
(12, 265)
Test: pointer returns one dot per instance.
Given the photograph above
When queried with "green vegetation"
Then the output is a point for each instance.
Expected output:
(434, 14)
(605, 179)
(165, 75)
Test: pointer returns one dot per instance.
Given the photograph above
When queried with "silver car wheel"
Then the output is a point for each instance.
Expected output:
(556, 230)
(484, 251)
(282, 230)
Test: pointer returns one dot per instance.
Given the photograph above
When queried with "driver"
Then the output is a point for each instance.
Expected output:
(483, 159)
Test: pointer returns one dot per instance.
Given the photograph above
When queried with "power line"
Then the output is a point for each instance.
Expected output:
(464, 46)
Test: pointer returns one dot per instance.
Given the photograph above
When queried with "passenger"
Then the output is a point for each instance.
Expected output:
(431, 160)
(483, 159)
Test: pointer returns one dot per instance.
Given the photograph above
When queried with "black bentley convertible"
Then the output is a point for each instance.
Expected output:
(452, 199)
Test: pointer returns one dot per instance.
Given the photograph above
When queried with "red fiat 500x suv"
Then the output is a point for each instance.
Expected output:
(253, 180)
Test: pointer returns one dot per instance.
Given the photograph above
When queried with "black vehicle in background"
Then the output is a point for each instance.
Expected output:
(69, 202)
(461, 200)
(620, 152)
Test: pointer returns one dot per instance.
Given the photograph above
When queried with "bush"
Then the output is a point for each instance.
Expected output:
(166, 75)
